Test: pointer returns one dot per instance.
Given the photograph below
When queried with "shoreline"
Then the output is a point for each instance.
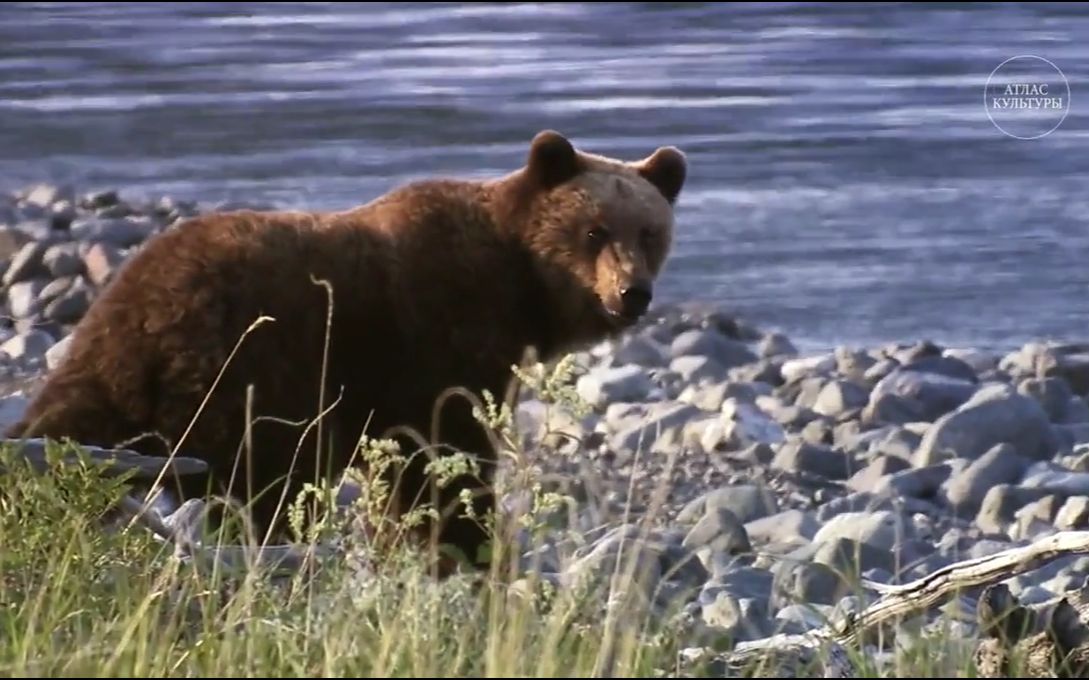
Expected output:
(782, 470)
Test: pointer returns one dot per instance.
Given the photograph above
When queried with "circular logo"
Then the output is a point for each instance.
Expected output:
(1027, 97)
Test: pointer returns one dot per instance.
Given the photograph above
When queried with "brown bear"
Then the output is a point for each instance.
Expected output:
(440, 283)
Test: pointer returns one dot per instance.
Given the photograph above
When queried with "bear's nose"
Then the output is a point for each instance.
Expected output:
(635, 299)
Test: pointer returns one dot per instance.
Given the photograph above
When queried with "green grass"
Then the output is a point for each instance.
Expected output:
(83, 593)
(86, 591)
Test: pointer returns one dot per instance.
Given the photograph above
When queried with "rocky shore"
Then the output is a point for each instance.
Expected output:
(774, 486)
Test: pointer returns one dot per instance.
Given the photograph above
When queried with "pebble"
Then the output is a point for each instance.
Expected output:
(797, 455)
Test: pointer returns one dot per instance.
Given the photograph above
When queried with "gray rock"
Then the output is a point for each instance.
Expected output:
(1076, 411)
(708, 343)
(1001, 464)
(898, 441)
(1072, 436)
(838, 397)
(641, 350)
(711, 397)
(947, 366)
(664, 419)
(724, 612)
(764, 371)
(786, 527)
(55, 354)
(1000, 505)
(719, 530)
(100, 262)
(12, 408)
(1034, 595)
(698, 369)
(71, 305)
(62, 259)
(868, 478)
(1035, 359)
(934, 393)
(806, 582)
(706, 433)
(601, 386)
(796, 455)
(921, 482)
(1053, 394)
(809, 389)
(853, 364)
(799, 618)
(1057, 481)
(880, 370)
(30, 344)
(849, 558)
(550, 426)
(121, 233)
(978, 360)
(54, 289)
(882, 529)
(24, 298)
(44, 195)
(995, 414)
(624, 550)
(1036, 519)
(893, 409)
(747, 502)
(744, 582)
(776, 345)
(26, 264)
(916, 351)
(795, 369)
(1073, 514)
(11, 241)
(745, 424)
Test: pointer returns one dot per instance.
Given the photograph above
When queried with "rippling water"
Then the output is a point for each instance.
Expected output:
(847, 184)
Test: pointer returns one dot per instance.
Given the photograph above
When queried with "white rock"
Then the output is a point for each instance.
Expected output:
(30, 344)
(882, 529)
(979, 360)
(56, 354)
(796, 368)
(745, 424)
(602, 386)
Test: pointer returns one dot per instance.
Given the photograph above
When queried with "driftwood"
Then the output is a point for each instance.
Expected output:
(1056, 639)
(180, 528)
(1037, 642)
(118, 460)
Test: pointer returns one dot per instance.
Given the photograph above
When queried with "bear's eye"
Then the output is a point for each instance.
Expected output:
(597, 236)
(647, 237)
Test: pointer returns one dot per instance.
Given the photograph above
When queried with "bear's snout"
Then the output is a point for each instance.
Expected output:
(635, 299)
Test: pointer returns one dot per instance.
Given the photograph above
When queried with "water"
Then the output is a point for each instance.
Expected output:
(846, 183)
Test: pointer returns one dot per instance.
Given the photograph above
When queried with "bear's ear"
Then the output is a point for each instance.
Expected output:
(552, 159)
(666, 169)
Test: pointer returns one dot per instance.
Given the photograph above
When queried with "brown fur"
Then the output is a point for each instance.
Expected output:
(439, 283)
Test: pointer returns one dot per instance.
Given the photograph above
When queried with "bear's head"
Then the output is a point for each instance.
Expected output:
(598, 230)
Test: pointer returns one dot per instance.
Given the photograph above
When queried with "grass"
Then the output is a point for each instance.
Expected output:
(85, 591)
(83, 594)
